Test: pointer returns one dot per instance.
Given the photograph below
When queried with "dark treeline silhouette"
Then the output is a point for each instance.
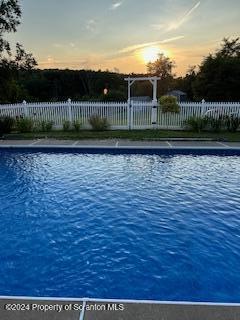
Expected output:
(59, 85)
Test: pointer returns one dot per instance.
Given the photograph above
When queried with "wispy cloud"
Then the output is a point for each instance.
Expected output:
(57, 45)
(159, 26)
(64, 45)
(116, 5)
(184, 18)
(51, 62)
(148, 44)
(91, 25)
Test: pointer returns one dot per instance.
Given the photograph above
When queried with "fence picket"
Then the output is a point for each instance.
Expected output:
(140, 115)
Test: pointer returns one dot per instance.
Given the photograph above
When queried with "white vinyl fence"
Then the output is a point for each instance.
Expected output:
(121, 115)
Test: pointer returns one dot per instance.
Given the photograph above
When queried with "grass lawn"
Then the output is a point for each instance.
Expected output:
(125, 134)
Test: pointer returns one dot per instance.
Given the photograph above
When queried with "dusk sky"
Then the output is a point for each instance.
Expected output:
(124, 34)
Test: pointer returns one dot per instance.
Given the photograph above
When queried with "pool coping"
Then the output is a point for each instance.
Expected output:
(127, 150)
(118, 145)
(32, 298)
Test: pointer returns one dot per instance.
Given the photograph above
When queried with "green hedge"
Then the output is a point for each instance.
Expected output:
(169, 104)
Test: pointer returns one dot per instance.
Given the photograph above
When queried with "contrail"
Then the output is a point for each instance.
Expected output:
(148, 44)
(176, 25)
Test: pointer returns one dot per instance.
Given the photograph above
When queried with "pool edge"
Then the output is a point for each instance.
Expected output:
(133, 149)
(98, 300)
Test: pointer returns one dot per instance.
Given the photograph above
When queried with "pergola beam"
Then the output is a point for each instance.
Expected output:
(142, 78)
(153, 81)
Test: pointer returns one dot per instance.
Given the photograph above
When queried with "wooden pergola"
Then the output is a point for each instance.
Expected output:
(153, 81)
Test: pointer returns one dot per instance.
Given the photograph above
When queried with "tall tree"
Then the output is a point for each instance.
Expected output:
(186, 83)
(229, 48)
(163, 68)
(218, 78)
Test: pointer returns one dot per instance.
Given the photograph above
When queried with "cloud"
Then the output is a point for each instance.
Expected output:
(91, 25)
(116, 5)
(147, 44)
(64, 45)
(51, 62)
(185, 18)
(57, 45)
(158, 26)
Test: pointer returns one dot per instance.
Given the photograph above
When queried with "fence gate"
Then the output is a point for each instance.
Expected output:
(143, 115)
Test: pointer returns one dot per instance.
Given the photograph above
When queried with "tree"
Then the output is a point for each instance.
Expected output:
(186, 83)
(230, 48)
(11, 65)
(163, 68)
(10, 14)
(218, 78)
(24, 60)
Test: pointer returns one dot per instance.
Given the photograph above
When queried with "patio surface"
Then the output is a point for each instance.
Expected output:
(113, 310)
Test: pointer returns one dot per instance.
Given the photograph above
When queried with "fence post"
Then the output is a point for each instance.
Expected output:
(69, 110)
(25, 109)
(154, 113)
(203, 108)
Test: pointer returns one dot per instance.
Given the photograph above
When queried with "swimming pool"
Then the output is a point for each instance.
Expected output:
(120, 226)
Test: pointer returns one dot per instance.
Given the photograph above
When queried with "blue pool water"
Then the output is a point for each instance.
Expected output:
(120, 226)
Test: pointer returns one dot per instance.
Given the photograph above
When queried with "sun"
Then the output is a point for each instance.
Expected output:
(150, 54)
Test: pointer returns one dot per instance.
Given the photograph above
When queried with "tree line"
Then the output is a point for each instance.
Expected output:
(216, 79)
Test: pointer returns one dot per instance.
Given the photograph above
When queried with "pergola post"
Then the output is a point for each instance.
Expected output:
(129, 91)
(155, 90)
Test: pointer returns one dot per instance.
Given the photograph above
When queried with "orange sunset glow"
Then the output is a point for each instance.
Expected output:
(81, 37)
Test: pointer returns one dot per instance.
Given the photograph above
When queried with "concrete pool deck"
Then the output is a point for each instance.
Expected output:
(115, 144)
(87, 309)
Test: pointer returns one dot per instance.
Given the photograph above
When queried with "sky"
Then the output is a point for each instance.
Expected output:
(123, 35)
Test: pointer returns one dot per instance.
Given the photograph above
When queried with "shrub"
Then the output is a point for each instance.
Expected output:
(46, 126)
(169, 104)
(25, 125)
(37, 126)
(99, 124)
(6, 124)
(196, 124)
(215, 123)
(232, 123)
(77, 125)
(66, 125)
